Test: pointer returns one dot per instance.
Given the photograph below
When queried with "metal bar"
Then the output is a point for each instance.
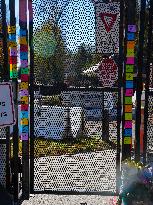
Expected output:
(31, 96)
(103, 118)
(49, 89)
(15, 144)
(149, 50)
(92, 89)
(15, 127)
(103, 193)
(139, 86)
(8, 156)
(105, 124)
(2, 141)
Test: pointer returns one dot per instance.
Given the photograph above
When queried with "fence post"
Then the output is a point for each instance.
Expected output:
(68, 134)
(25, 141)
(139, 87)
(119, 100)
(105, 125)
(15, 127)
(5, 77)
(127, 99)
(31, 92)
(83, 133)
(149, 50)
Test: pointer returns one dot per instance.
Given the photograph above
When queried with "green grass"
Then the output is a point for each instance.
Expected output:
(51, 100)
(45, 147)
(49, 147)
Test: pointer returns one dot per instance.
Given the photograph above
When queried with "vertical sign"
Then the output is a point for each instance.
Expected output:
(12, 49)
(24, 85)
(107, 27)
(129, 72)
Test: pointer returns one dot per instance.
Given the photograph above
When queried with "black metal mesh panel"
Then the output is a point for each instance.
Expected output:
(70, 153)
(65, 43)
(150, 125)
(151, 76)
(83, 168)
(110, 104)
(2, 133)
(3, 164)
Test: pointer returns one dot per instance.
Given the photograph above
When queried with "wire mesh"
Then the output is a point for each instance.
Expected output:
(70, 125)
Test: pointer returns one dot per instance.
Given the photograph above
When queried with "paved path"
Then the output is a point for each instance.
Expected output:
(94, 171)
(43, 199)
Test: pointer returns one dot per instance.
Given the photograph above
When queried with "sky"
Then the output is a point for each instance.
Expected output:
(78, 24)
(77, 20)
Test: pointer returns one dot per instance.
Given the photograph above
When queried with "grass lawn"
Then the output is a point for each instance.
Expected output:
(49, 147)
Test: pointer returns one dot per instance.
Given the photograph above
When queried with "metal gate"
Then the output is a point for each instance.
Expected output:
(74, 119)
(75, 102)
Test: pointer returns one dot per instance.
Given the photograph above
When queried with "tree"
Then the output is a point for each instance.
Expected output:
(50, 65)
(48, 54)
(81, 60)
(57, 60)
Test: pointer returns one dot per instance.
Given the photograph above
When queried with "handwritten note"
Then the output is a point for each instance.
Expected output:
(130, 60)
(127, 140)
(128, 124)
(128, 116)
(132, 28)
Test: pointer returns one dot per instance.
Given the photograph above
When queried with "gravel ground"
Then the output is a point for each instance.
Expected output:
(42, 199)
(94, 171)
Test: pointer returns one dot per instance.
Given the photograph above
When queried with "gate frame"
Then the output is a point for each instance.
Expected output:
(119, 106)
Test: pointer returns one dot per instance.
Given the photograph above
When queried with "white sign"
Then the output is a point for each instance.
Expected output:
(7, 114)
(93, 114)
(107, 27)
(84, 99)
(91, 102)
(108, 72)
